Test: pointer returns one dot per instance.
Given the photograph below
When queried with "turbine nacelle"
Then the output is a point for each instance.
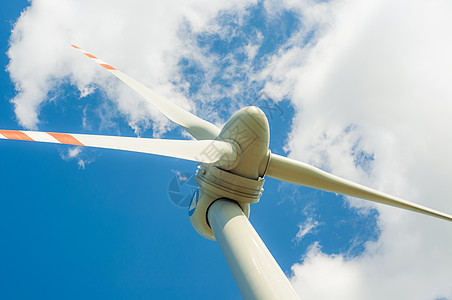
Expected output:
(243, 178)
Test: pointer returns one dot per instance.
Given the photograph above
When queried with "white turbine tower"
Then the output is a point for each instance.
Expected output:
(234, 161)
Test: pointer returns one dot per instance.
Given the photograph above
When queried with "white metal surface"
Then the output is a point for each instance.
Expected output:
(197, 127)
(249, 128)
(257, 274)
(206, 151)
(293, 171)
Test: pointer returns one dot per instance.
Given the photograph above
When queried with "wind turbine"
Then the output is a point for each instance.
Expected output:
(234, 162)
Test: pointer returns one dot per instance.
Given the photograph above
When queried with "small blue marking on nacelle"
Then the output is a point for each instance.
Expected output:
(193, 203)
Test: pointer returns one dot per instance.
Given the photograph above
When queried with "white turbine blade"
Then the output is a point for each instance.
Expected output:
(293, 171)
(197, 127)
(207, 151)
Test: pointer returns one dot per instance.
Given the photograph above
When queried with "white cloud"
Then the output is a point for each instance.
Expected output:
(73, 152)
(140, 38)
(76, 153)
(314, 277)
(304, 228)
(376, 81)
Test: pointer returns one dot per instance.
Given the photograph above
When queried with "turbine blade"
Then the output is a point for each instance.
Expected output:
(293, 171)
(207, 151)
(197, 127)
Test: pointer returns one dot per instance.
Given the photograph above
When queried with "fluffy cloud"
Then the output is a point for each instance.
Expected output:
(373, 104)
(310, 276)
(140, 38)
(307, 227)
(76, 153)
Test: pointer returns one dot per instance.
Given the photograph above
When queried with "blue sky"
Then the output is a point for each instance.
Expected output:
(100, 224)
